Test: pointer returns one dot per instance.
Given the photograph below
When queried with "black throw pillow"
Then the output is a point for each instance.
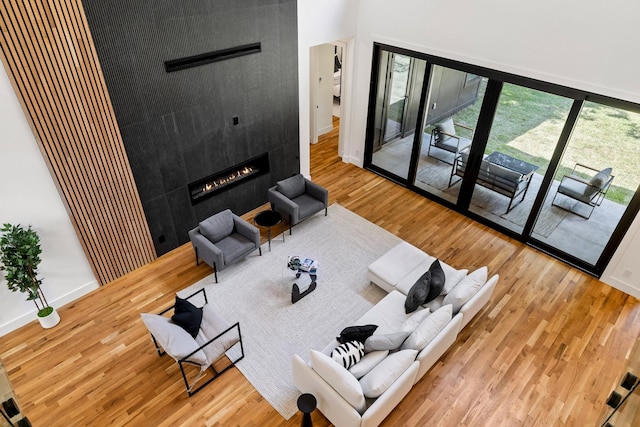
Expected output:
(437, 281)
(418, 293)
(187, 315)
(356, 333)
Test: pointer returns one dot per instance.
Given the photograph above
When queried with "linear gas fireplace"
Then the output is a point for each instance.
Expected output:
(204, 188)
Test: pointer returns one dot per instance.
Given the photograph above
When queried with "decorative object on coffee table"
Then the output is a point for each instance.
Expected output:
(269, 219)
(302, 266)
(306, 403)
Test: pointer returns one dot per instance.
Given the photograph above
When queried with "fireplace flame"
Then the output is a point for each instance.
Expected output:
(219, 182)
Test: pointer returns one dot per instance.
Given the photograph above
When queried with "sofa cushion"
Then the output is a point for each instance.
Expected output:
(356, 333)
(437, 281)
(218, 226)
(342, 381)
(412, 322)
(504, 173)
(173, 339)
(348, 354)
(435, 304)
(291, 187)
(368, 362)
(388, 314)
(380, 378)
(428, 329)
(452, 277)
(395, 264)
(418, 293)
(187, 315)
(466, 289)
(391, 341)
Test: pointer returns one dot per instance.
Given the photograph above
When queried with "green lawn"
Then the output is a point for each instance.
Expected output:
(528, 124)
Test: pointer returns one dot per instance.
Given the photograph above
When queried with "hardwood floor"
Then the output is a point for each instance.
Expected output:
(546, 350)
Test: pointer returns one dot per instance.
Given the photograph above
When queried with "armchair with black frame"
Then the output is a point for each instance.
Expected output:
(196, 336)
(590, 192)
(444, 137)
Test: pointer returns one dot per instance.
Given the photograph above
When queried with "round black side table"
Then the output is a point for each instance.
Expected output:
(306, 403)
(268, 219)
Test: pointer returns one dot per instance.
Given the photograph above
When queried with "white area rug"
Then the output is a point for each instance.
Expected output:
(257, 293)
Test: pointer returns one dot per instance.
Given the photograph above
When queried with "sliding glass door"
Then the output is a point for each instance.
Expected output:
(593, 184)
(533, 160)
(453, 105)
(396, 111)
(524, 133)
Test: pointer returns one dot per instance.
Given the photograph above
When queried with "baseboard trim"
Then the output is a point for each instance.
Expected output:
(59, 302)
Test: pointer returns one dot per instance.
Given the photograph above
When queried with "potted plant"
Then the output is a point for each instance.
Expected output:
(19, 259)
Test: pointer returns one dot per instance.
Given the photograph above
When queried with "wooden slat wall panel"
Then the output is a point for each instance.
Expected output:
(49, 54)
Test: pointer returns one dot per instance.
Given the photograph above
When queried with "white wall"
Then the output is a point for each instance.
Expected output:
(29, 196)
(589, 45)
(321, 86)
(321, 22)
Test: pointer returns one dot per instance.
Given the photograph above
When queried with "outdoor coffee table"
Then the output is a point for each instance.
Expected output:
(517, 165)
(269, 219)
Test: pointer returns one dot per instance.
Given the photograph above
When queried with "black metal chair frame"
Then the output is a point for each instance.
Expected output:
(596, 199)
(190, 390)
(437, 134)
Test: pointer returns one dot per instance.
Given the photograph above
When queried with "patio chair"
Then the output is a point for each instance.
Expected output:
(444, 137)
(223, 239)
(590, 192)
(196, 336)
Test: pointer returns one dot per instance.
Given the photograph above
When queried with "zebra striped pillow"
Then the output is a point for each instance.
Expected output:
(348, 354)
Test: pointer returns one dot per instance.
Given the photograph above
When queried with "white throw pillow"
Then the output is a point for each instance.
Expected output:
(380, 378)
(391, 341)
(416, 318)
(339, 378)
(428, 329)
(452, 277)
(173, 338)
(368, 362)
(466, 289)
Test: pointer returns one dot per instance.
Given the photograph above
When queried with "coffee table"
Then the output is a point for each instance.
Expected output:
(269, 219)
(506, 161)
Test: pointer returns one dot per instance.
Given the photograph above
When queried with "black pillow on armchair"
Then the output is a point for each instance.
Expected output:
(187, 315)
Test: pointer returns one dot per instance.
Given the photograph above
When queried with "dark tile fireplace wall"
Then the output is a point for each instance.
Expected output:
(179, 127)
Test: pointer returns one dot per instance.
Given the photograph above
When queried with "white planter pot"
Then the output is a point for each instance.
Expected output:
(50, 321)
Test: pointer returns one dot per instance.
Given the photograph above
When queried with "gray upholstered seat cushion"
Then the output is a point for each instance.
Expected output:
(234, 247)
(291, 187)
(576, 189)
(212, 325)
(504, 173)
(308, 205)
(218, 226)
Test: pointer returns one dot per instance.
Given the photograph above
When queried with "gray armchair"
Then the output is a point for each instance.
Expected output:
(297, 198)
(590, 192)
(444, 137)
(223, 239)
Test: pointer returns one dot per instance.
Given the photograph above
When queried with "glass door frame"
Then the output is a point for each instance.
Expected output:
(496, 79)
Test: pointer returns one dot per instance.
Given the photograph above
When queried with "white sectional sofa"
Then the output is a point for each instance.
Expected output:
(364, 396)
